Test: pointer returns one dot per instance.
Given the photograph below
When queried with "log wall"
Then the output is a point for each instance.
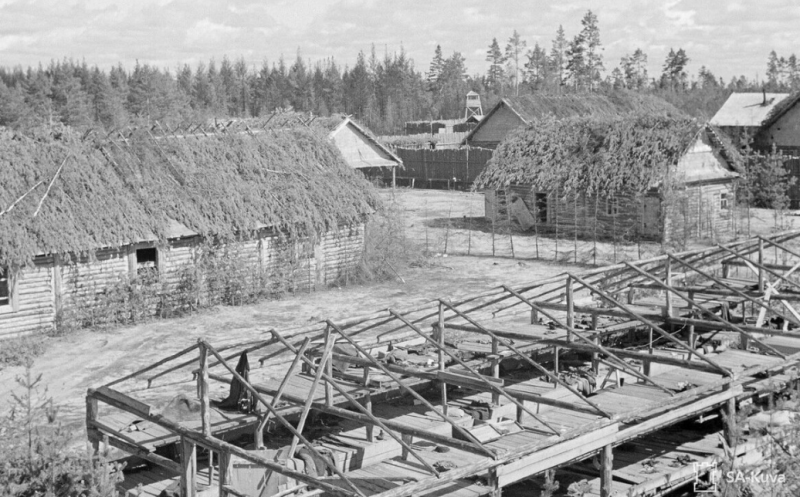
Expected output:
(50, 286)
(693, 212)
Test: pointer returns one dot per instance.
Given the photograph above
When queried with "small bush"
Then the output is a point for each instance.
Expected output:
(21, 351)
(387, 248)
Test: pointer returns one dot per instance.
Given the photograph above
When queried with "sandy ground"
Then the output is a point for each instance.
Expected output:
(87, 359)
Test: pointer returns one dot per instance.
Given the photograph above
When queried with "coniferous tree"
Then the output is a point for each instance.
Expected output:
(558, 57)
(674, 75)
(593, 51)
(496, 73)
(515, 49)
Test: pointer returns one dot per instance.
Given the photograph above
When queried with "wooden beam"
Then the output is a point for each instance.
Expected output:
(777, 267)
(469, 436)
(595, 345)
(277, 397)
(789, 297)
(476, 375)
(154, 365)
(128, 404)
(143, 453)
(329, 343)
(202, 384)
(530, 361)
(649, 323)
(714, 316)
(281, 419)
(716, 325)
(368, 412)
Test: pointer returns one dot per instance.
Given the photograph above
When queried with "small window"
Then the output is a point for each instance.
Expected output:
(147, 262)
(723, 201)
(612, 206)
(5, 288)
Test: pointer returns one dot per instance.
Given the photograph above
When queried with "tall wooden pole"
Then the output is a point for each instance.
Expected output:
(442, 385)
(607, 468)
(188, 468)
(570, 309)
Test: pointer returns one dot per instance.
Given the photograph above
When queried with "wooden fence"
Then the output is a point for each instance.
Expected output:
(453, 168)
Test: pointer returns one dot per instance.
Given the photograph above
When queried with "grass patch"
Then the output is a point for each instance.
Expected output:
(21, 351)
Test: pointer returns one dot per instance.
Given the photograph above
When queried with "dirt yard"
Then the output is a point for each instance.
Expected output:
(87, 359)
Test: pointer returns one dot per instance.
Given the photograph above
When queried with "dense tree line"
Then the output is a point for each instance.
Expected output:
(383, 91)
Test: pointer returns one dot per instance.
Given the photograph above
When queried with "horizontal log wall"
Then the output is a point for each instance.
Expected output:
(693, 212)
(34, 308)
(306, 264)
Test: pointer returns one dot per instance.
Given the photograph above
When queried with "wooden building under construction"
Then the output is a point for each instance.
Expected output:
(496, 388)
(93, 225)
(624, 178)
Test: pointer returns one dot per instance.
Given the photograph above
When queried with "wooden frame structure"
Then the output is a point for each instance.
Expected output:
(667, 308)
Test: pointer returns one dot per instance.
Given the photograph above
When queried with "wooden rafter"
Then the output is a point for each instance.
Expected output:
(714, 316)
(405, 387)
(281, 419)
(476, 375)
(472, 445)
(542, 369)
(649, 323)
(596, 346)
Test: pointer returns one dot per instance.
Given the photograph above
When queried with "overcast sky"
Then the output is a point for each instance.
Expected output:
(729, 37)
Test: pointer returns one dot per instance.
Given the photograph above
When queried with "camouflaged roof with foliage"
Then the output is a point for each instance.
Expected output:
(607, 155)
(116, 192)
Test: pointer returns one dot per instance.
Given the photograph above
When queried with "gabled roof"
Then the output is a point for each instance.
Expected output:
(747, 109)
(781, 108)
(383, 156)
(531, 107)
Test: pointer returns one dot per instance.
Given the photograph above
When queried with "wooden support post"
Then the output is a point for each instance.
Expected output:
(224, 460)
(408, 440)
(365, 376)
(607, 468)
(534, 316)
(668, 281)
(188, 468)
(495, 369)
(595, 358)
(91, 417)
(210, 467)
(570, 309)
(442, 385)
(370, 428)
(494, 484)
(730, 424)
(761, 262)
(691, 341)
(556, 351)
(328, 366)
(202, 387)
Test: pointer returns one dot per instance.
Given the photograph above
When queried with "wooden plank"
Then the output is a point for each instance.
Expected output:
(556, 455)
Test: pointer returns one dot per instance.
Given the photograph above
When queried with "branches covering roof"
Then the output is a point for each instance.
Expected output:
(612, 103)
(591, 154)
(116, 192)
